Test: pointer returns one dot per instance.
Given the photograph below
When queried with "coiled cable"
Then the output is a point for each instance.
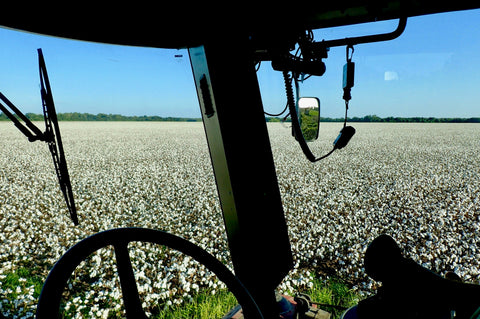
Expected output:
(295, 122)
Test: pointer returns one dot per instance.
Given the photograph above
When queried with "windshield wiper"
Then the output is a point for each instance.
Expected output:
(30, 130)
(51, 135)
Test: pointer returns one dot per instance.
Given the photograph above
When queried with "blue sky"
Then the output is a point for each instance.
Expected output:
(433, 69)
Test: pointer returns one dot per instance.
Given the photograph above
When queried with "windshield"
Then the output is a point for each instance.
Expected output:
(137, 156)
(429, 71)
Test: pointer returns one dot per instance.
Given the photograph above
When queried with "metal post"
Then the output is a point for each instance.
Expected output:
(242, 160)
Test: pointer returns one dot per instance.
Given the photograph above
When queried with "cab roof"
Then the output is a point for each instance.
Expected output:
(180, 24)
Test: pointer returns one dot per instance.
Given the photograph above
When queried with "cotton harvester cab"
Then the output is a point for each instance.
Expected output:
(225, 42)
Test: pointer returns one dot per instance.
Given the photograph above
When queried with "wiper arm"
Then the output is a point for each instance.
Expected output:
(34, 133)
(51, 135)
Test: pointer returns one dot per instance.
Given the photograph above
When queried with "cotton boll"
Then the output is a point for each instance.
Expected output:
(391, 179)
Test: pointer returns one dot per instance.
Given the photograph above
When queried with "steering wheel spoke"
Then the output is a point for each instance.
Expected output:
(131, 299)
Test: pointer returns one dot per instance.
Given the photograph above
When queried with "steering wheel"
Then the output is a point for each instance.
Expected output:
(49, 300)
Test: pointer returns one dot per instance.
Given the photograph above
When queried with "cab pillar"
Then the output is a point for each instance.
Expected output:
(241, 155)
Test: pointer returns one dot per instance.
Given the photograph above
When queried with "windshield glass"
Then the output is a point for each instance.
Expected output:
(137, 156)
(429, 71)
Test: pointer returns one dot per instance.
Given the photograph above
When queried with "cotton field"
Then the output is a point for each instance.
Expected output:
(420, 183)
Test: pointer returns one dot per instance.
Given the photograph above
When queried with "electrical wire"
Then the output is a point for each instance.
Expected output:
(278, 114)
(282, 112)
(346, 112)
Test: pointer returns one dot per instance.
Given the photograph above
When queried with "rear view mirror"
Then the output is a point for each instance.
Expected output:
(309, 117)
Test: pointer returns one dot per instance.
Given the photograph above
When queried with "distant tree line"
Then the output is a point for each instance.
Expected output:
(391, 119)
(75, 116)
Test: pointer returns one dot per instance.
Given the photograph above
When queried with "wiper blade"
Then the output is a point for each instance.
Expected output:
(54, 140)
(51, 135)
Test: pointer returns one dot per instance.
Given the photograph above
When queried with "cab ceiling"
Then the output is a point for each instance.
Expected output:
(181, 25)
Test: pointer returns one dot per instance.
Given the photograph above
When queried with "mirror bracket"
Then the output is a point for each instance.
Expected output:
(402, 23)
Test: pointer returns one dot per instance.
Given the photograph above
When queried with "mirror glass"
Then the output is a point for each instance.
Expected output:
(309, 117)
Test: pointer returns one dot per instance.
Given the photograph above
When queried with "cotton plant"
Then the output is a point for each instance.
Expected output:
(418, 183)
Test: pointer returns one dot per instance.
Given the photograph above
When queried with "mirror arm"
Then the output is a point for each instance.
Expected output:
(367, 38)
